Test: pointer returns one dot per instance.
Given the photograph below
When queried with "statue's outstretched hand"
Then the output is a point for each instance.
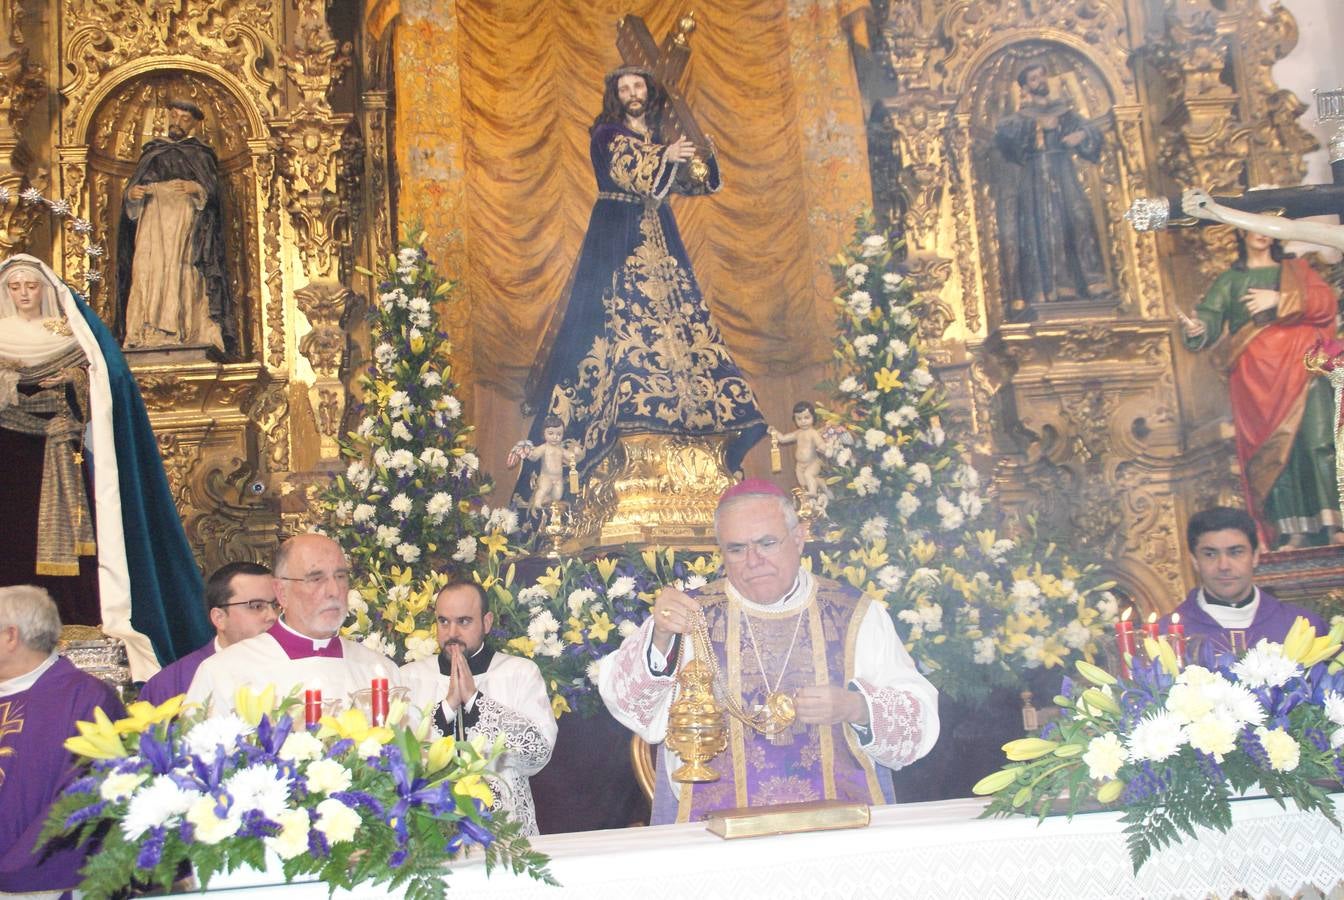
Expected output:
(1199, 204)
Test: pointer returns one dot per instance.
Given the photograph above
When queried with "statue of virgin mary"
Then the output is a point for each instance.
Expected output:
(85, 479)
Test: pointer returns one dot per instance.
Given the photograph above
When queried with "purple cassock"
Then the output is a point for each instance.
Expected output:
(174, 679)
(1206, 638)
(34, 768)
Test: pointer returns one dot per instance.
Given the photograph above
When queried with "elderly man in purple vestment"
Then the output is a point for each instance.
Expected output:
(303, 648)
(240, 600)
(42, 696)
(1227, 612)
(779, 634)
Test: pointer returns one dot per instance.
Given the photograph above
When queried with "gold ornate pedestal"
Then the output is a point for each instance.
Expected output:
(652, 489)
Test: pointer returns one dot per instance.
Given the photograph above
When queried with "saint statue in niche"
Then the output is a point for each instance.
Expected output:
(1049, 237)
(172, 286)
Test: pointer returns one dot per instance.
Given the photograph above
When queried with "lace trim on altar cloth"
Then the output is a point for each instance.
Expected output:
(895, 725)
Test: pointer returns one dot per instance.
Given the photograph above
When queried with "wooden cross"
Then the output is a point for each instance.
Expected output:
(667, 63)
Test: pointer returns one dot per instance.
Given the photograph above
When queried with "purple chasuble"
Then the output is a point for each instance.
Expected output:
(806, 762)
(1206, 638)
(34, 768)
(298, 646)
(172, 680)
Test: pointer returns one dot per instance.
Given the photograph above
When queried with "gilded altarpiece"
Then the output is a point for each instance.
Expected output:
(296, 131)
(1090, 413)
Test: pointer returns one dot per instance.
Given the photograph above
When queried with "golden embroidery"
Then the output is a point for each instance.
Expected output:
(11, 722)
(635, 165)
(58, 326)
(785, 789)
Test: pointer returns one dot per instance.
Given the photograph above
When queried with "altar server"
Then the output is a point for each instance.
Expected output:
(303, 649)
(42, 696)
(477, 690)
(833, 698)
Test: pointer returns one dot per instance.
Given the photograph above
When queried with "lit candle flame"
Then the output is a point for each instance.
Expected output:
(1175, 618)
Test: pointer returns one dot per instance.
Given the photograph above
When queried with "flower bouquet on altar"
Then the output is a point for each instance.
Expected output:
(1172, 744)
(343, 800)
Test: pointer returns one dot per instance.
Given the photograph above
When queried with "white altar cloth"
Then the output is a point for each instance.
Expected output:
(917, 850)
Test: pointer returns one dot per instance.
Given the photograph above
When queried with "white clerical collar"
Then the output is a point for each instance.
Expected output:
(21, 683)
(318, 643)
(793, 598)
(1230, 616)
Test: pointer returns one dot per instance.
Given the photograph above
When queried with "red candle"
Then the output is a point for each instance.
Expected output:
(1124, 640)
(1176, 637)
(378, 701)
(312, 706)
(1150, 627)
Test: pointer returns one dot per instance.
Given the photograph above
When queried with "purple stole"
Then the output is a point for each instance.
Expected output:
(805, 762)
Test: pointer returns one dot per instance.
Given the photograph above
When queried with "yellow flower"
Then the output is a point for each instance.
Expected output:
(551, 580)
(1095, 674)
(142, 715)
(251, 705)
(650, 558)
(985, 539)
(353, 724)
(474, 786)
(495, 543)
(606, 567)
(441, 753)
(1109, 791)
(704, 566)
(406, 625)
(996, 781)
(97, 739)
(559, 705)
(1024, 749)
(600, 628)
(923, 551)
(575, 633)
(887, 380)
(523, 644)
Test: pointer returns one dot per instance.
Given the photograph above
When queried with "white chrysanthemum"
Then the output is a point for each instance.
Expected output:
(901, 317)
(301, 746)
(843, 457)
(327, 776)
(870, 396)
(1104, 756)
(1264, 665)
(899, 418)
(217, 735)
(259, 787)
(378, 644)
(935, 435)
(849, 385)
(924, 579)
(892, 458)
(466, 464)
(408, 256)
(210, 828)
(626, 627)
(551, 647)
(387, 535)
(401, 504)
(967, 477)
(292, 839)
(1157, 736)
(970, 503)
(594, 671)
(897, 348)
(623, 586)
(864, 345)
(451, 407)
(400, 431)
(908, 616)
(920, 473)
(874, 245)
(907, 505)
(431, 379)
(1076, 635)
(336, 821)
(1284, 751)
(542, 626)
(866, 483)
(983, 651)
(1000, 549)
(533, 595)
(402, 462)
(891, 280)
(418, 305)
(398, 402)
(1334, 707)
(384, 353)
(503, 519)
(392, 298)
(874, 529)
(439, 506)
(421, 646)
(120, 785)
(466, 549)
(856, 273)
(408, 552)
(951, 516)
(874, 438)
(366, 426)
(578, 599)
(1033, 654)
(363, 513)
(381, 457)
(1213, 735)
(921, 378)
(359, 476)
(399, 593)
(931, 617)
(890, 577)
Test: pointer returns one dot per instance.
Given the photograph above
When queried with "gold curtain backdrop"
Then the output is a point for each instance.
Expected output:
(494, 101)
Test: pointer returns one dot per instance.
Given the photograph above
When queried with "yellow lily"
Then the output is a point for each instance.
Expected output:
(523, 644)
(1095, 674)
(1024, 749)
(600, 627)
(251, 705)
(1162, 652)
(1299, 639)
(1325, 646)
(143, 715)
(354, 725)
(1109, 791)
(996, 781)
(495, 543)
(924, 551)
(606, 567)
(574, 635)
(441, 753)
(1095, 700)
(97, 739)
(704, 566)
(887, 380)
(559, 705)
(474, 786)
(650, 558)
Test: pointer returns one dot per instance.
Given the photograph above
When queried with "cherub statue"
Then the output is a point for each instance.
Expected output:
(554, 455)
(813, 445)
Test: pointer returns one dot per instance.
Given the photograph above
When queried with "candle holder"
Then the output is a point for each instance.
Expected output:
(362, 700)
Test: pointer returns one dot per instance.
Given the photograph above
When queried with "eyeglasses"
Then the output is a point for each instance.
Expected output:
(766, 546)
(255, 605)
(317, 579)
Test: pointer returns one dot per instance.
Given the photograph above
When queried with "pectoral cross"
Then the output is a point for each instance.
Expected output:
(10, 723)
(667, 62)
